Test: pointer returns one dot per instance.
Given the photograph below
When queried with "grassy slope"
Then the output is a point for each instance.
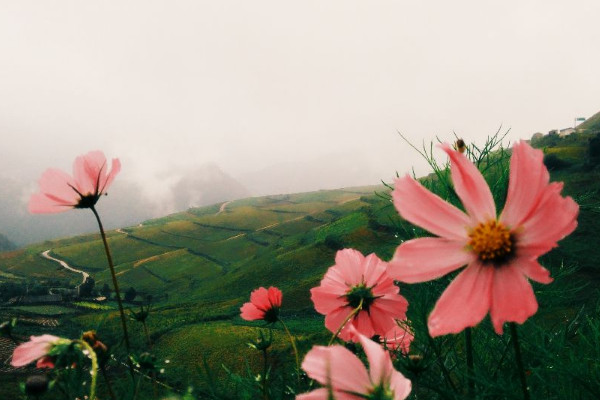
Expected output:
(201, 265)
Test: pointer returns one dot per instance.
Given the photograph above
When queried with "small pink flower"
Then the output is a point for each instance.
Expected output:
(354, 279)
(398, 338)
(61, 192)
(500, 252)
(346, 378)
(36, 349)
(264, 304)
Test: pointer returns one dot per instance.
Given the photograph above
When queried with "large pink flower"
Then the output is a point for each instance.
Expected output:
(60, 192)
(354, 279)
(264, 304)
(346, 378)
(35, 349)
(500, 252)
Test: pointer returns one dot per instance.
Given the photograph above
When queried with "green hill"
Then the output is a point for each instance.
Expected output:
(200, 266)
(590, 125)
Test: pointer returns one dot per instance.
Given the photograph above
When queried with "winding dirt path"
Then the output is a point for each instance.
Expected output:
(46, 255)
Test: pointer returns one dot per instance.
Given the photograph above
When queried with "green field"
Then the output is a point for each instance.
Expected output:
(200, 266)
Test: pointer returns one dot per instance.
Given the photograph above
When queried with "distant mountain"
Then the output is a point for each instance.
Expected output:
(5, 244)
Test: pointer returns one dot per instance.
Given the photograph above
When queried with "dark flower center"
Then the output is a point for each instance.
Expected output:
(271, 315)
(492, 242)
(381, 392)
(360, 293)
(87, 201)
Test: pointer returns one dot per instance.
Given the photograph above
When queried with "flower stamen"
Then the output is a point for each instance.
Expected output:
(491, 241)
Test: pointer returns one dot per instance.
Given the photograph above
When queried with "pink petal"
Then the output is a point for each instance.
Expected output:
(400, 385)
(85, 180)
(45, 362)
(424, 259)
(42, 204)
(380, 363)
(260, 298)
(554, 218)
(528, 178)
(115, 168)
(337, 366)
(58, 184)
(533, 270)
(350, 263)
(512, 298)
(374, 270)
(381, 320)
(249, 312)
(325, 299)
(419, 206)
(470, 186)
(323, 394)
(335, 318)
(363, 324)
(37, 347)
(319, 394)
(464, 302)
(275, 296)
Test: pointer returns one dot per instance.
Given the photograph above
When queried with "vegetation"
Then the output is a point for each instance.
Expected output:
(200, 266)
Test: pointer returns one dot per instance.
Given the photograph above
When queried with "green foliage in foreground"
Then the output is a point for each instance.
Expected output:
(200, 266)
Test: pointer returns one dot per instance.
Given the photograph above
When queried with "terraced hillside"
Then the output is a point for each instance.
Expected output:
(199, 266)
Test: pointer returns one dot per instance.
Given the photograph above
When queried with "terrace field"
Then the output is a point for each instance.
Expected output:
(200, 266)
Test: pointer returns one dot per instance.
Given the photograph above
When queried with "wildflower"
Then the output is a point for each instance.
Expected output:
(37, 348)
(345, 376)
(60, 192)
(354, 282)
(264, 304)
(500, 252)
(398, 338)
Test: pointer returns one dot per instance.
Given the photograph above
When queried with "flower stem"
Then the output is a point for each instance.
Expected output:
(116, 286)
(469, 349)
(293, 342)
(348, 318)
(513, 332)
(94, 372)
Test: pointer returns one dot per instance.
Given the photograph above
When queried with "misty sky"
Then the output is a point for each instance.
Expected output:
(168, 85)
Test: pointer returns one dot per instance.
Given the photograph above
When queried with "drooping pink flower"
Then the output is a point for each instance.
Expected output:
(60, 192)
(346, 378)
(36, 349)
(500, 252)
(264, 304)
(358, 280)
(398, 338)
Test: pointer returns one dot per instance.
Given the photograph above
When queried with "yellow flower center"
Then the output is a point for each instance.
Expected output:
(491, 241)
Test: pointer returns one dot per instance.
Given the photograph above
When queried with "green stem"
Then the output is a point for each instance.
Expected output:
(111, 393)
(348, 318)
(117, 291)
(513, 332)
(469, 349)
(293, 342)
(94, 371)
(264, 378)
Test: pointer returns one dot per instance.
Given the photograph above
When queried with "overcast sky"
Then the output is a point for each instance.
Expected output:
(247, 84)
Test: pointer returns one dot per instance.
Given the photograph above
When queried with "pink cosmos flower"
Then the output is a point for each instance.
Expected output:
(36, 349)
(358, 280)
(500, 252)
(60, 192)
(264, 304)
(346, 378)
(398, 338)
